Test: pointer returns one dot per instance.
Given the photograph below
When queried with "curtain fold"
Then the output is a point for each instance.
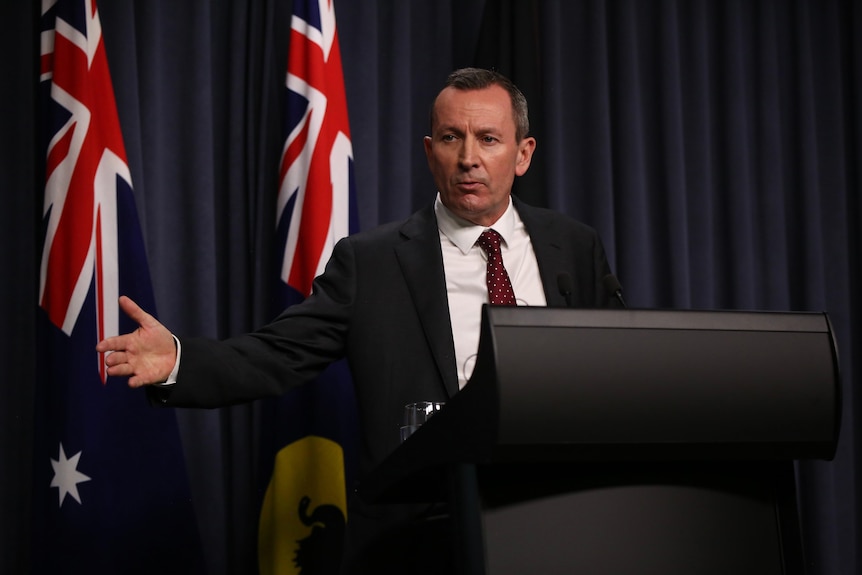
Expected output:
(716, 146)
(20, 245)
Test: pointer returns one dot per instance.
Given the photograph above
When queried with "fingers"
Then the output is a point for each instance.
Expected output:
(115, 358)
(146, 355)
(117, 368)
(136, 381)
(136, 313)
(112, 343)
(123, 364)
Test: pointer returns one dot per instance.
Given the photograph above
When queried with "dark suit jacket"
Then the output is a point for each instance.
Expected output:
(382, 303)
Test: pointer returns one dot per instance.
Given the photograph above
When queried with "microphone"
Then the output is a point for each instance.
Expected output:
(566, 287)
(612, 284)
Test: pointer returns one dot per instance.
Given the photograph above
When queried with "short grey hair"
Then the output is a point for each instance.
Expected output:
(478, 79)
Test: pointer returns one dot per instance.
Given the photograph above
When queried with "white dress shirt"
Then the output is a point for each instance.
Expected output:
(464, 265)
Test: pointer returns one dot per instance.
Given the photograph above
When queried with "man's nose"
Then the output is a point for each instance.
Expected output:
(469, 154)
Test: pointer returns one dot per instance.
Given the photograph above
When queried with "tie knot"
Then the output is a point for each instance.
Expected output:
(490, 241)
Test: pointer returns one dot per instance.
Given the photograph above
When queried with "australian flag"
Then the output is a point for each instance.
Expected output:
(111, 493)
(309, 440)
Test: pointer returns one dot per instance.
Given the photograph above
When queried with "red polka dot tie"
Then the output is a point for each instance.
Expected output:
(500, 290)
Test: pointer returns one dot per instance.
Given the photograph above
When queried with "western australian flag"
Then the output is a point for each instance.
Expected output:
(309, 440)
(110, 488)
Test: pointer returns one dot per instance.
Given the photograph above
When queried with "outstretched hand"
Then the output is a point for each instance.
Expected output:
(147, 355)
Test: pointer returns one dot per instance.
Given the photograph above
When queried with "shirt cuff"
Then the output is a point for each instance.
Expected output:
(172, 378)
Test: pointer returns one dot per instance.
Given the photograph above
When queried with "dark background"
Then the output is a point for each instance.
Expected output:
(715, 145)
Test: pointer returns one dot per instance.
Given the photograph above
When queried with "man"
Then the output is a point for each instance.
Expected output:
(401, 302)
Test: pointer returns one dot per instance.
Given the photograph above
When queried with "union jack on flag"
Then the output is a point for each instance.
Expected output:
(314, 196)
(85, 162)
(309, 440)
(108, 469)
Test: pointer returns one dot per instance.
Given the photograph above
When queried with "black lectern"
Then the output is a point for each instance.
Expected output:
(627, 441)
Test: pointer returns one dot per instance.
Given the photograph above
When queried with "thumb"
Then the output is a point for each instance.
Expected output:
(135, 312)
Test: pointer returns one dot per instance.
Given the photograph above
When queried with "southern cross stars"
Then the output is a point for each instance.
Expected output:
(66, 475)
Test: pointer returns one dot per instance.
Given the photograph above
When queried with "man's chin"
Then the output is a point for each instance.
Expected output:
(479, 214)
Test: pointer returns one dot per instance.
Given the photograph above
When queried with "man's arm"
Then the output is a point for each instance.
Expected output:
(146, 356)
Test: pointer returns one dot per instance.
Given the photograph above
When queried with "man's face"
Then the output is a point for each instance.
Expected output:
(473, 154)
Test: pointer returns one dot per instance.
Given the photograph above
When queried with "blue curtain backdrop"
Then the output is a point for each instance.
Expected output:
(715, 145)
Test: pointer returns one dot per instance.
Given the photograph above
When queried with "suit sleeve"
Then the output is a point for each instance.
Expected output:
(290, 351)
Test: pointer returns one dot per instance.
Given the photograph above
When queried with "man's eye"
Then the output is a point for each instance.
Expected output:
(489, 139)
(448, 138)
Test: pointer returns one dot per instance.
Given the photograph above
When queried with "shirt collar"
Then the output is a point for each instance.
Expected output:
(464, 234)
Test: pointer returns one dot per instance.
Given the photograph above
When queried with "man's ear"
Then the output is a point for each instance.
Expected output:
(525, 155)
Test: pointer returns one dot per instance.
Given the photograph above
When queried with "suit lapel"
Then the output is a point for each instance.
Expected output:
(549, 250)
(421, 261)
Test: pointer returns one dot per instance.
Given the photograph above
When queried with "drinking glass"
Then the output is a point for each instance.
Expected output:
(417, 413)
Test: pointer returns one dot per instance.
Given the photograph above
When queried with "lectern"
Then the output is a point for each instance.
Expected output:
(627, 442)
